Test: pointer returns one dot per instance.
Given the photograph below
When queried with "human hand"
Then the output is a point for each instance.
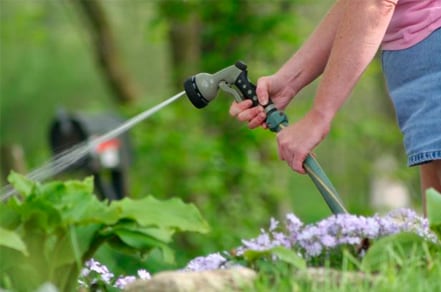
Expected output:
(267, 87)
(244, 111)
(296, 141)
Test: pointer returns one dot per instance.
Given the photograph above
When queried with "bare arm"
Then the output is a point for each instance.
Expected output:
(300, 70)
(357, 39)
(310, 60)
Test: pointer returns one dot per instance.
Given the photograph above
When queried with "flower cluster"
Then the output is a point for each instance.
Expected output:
(311, 241)
(314, 240)
(337, 230)
(95, 274)
(210, 262)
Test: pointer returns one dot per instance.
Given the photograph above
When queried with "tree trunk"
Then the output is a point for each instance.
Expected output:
(12, 158)
(184, 38)
(106, 52)
(185, 48)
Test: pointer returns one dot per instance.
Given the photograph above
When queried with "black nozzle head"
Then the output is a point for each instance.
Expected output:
(193, 93)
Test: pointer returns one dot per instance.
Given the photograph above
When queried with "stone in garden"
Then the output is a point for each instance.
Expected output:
(234, 279)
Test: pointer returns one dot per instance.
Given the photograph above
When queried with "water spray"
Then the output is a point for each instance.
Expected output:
(68, 157)
(201, 89)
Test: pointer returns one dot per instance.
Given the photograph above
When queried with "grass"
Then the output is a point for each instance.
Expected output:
(413, 273)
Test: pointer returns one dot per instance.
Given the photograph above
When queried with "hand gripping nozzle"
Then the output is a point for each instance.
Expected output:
(203, 88)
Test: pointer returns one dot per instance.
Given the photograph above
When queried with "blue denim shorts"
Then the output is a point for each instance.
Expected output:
(413, 78)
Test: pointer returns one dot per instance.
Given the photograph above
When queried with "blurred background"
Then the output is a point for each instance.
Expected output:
(119, 58)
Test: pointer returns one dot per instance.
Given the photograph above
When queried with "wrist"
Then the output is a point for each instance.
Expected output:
(289, 81)
(322, 118)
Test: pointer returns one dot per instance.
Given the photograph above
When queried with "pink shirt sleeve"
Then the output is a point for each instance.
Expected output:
(411, 23)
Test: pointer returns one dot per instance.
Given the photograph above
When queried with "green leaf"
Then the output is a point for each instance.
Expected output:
(433, 206)
(164, 235)
(433, 210)
(21, 183)
(64, 223)
(12, 240)
(40, 215)
(393, 249)
(145, 243)
(172, 213)
(62, 252)
(9, 217)
(282, 253)
(289, 256)
(76, 203)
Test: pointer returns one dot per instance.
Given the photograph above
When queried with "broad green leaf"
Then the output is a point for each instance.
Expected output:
(9, 217)
(289, 256)
(21, 183)
(64, 222)
(61, 251)
(76, 203)
(40, 215)
(252, 255)
(145, 243)
(172, 213)
(12, 240)
(393, 248)
(164, 235)
(433, 207)
(283, 254)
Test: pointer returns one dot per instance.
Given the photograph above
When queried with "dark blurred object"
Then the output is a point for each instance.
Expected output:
(108, 162)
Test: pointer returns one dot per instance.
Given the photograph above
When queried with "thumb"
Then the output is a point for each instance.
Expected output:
(262, 90)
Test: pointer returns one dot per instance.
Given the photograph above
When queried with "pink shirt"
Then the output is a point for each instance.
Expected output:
(412, 22)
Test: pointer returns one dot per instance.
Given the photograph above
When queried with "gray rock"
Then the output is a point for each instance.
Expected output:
(234, 279)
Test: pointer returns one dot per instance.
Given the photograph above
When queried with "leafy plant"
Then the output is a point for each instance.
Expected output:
(433, 213)
(49, 234)
(392, 250)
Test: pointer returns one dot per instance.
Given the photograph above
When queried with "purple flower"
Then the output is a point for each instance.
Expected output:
(94, 272)
(316, 239)
(102, 271)
(122, 282)
(293, 226)
(313, 249)
(210, 262)
(273, 224)
(280, 239)
(328, 241)
(144, 275)
(336, 230)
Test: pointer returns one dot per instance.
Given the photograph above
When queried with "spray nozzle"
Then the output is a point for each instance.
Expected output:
(203, 87)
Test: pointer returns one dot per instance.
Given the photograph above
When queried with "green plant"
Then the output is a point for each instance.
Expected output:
(49, 234)
(373, 253)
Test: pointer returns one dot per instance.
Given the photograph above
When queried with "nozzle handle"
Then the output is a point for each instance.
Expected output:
(275, 119)
(244, 85)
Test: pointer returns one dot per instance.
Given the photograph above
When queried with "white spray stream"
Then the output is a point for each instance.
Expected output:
(68, 157)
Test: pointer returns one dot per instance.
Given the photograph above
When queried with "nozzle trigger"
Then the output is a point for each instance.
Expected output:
(228, 89)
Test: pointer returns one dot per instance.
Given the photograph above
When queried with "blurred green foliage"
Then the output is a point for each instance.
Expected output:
(58, 226)
(231, 173)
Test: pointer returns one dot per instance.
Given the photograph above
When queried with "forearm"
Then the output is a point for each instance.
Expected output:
(356, 42)
(310, 60)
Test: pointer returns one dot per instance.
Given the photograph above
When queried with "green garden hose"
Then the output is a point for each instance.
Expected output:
(313, 169)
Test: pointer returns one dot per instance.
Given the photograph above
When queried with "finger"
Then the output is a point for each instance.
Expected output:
(238, 107)
(249, 114)
(262, 90)
(257, 121)
(297, 164)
